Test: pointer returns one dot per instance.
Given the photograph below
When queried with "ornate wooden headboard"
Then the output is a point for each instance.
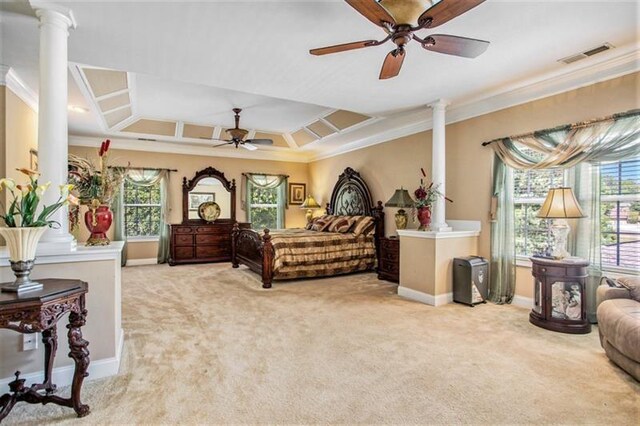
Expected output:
(351, 197)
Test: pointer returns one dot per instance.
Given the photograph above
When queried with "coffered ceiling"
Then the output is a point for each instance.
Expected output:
(176, 69)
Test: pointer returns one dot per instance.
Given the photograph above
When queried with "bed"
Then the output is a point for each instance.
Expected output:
(301, 253)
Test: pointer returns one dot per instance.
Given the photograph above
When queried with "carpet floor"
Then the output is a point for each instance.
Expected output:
(205, 344)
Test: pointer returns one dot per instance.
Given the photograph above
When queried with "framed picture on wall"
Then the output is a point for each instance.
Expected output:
(33, 159)
(197, 198)
(297, 193)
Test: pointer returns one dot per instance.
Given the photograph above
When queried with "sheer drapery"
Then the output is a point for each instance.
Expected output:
(585, 237)
(117, 209)
(264, 181)
(611, 140)
(146, 178)
(581, 146)
(503, 248)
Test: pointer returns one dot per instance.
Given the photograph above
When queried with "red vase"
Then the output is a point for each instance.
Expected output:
(98, 222)
(424, 217)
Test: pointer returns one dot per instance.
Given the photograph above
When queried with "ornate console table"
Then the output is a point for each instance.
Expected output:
(39, 311)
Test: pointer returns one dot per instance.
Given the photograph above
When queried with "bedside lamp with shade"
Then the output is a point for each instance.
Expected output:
(560, 204)
(402, 200)
(310, 203)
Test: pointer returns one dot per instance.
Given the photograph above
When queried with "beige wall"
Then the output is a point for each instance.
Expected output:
(187, 165)
(397, 163)
(19, 134)
(426, 264)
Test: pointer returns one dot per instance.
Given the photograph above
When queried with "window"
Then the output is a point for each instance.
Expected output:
(141, 210)
(530, 187)
(619, 211)
(265, 207)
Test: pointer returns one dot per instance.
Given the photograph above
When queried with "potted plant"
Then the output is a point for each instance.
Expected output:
(96, 187)
(425, 197)
(25, 223)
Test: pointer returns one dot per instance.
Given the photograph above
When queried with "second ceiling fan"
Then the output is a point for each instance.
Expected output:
(400, 19)
(237, 136)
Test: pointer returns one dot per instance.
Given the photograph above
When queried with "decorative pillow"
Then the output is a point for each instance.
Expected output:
(363, 225)
(341, 224)
(322, 223)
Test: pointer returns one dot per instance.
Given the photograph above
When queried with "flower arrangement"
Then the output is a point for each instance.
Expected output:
(23, 210)
(426, 195)
(95, 185)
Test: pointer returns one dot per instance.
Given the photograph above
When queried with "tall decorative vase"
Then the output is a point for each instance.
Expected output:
(424, 217)
(98, 221)
(22, 244)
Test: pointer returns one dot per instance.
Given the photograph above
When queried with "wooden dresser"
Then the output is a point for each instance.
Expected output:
(389, 263)
(196, 240)
(201, 243)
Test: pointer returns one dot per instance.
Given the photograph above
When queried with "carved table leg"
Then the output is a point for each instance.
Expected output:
(50, 340)
(80, 354)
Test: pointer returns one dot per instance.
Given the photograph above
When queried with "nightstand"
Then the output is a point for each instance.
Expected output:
(389, 264)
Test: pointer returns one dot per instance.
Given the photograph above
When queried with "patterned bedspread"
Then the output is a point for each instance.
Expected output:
(299, 253)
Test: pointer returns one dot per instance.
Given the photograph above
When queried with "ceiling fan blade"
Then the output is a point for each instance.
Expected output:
(392, 64)
(458, 46)
(446, 10)
(341, 47)
(221, 144)
(259, 141)
(371, 10)
(248, 146)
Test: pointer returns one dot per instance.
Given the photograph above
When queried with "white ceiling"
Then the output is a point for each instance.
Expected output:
(198, 59)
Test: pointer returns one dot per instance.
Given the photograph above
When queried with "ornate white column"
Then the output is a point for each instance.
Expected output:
(438, 165)
(55, 22)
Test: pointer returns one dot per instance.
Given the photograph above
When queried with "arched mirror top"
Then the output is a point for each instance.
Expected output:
(208, 185)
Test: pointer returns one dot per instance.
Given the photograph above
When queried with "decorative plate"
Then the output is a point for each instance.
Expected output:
(209, 211)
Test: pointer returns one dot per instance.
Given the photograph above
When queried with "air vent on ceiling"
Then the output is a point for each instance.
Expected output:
(148, 139)
(583, 55)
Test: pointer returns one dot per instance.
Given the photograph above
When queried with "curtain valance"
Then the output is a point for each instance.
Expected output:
(608, 139)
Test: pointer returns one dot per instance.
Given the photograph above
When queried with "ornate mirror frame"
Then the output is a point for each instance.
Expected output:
(188, 186)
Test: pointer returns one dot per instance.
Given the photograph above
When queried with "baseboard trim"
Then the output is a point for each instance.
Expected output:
(141, 262)
(523, 302)
(429, 299)
(63, 376)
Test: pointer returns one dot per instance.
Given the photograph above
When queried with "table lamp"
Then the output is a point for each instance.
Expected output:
(309, 204)
(400, 199)
(560, 205)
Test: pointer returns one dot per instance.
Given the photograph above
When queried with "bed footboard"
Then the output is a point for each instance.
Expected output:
(254, 250)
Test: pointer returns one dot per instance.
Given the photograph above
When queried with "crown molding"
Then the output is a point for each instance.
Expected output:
(408, 123)
(187, 149)
(10, 79)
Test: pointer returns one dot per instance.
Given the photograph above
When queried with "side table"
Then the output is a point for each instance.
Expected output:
(560, 295)
(39, 311)
(389, 262)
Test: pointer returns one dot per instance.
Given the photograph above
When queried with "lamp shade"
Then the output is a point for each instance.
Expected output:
(310, 203)
(560, 204)
(401, 199)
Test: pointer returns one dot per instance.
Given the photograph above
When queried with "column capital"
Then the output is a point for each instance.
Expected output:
(53, 12)
(439, 104)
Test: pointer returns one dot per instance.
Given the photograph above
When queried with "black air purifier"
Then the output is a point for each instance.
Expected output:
(470, 280)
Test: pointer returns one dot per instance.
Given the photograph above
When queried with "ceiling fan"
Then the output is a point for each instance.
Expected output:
(400, 19)
(237, 136)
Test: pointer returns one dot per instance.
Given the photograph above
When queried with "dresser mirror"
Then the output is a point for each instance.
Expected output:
(208, 186)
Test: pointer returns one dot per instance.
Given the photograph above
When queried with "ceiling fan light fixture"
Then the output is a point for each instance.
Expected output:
(406, 11)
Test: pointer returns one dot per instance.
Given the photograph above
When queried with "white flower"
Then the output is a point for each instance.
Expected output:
(41, 188)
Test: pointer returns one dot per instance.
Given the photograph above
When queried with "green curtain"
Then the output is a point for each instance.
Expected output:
(585, 238)
(117, 208)
(163, 243)
(503, 267)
